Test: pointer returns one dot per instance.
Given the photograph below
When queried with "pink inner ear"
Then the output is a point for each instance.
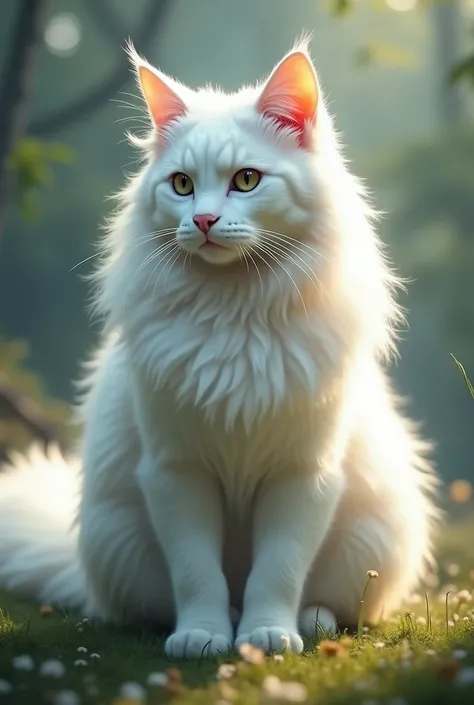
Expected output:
(290, 95)
(163, 103)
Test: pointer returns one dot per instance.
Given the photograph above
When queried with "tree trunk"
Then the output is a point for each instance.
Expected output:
(445, 15)
(16, 86)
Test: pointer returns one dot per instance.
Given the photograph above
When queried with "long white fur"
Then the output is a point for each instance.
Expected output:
(242, 446)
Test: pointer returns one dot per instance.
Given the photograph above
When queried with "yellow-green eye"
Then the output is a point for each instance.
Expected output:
(246, 180)
(182, 184)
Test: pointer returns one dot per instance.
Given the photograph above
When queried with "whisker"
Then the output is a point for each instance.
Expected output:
(186, 259)
(287, 254)
(254, 250)
(168, 246)
(299, 244)
(288, 238)
(242, 256)
(178, 255)
(142, 238)
(168, 257)
(153, 255)
(268, 252)
(258, 272)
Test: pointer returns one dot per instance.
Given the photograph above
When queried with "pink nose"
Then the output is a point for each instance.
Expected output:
(205, 222)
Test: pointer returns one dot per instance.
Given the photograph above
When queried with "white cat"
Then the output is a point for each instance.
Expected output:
(243, 451)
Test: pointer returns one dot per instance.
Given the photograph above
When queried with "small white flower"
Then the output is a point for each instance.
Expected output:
(5, 687)
(288, 691)
(366, 629)
(379, 645)
(226, 670)
(53, 668)
(278, 657)
(459, 654)
(95, 656)
(132, 691)
(82, 649)
(66, 697)
(285, 642)
(464, 596)
(450, 623)
(80, 662)
(430, 652)
(157, 679)
(452, 570)
(23, 663)
(465, 676)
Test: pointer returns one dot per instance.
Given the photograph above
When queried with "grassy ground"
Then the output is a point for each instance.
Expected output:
(419, 657)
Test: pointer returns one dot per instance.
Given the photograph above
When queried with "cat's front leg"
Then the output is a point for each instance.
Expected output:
(292, 516)
(186, 512)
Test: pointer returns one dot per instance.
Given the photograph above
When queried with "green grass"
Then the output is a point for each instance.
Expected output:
(405, 658)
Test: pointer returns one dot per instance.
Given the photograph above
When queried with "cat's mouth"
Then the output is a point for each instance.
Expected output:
(210, 244)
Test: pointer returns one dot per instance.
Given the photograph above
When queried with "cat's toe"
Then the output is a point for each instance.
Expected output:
(196, 643)
(270, 639)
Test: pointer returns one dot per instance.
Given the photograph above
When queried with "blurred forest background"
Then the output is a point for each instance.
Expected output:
(398, 74)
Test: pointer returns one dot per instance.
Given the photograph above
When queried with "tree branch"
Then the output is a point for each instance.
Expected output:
(14, 405)
(90, 102)
(17, 84)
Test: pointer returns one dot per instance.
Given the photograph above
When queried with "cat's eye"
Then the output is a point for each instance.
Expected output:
(182, 184)
(246, 180)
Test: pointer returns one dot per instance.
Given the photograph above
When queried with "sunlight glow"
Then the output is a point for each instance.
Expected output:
(401, 5)
(63, 34)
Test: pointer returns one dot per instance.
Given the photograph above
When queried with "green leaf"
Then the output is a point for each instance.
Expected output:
(385, 53)
(31, 163)
(464, 374)
(464, 70)
(341, 7)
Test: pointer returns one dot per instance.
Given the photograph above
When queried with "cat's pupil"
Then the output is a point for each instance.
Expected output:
(247, 177)
(183, 181)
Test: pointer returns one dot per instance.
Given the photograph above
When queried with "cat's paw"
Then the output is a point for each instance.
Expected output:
(195, 643)
(272, 639)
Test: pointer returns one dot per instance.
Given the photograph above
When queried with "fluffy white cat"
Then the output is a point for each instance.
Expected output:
(243, 456)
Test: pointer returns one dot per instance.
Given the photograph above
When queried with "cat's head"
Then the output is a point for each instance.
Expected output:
(232, 176)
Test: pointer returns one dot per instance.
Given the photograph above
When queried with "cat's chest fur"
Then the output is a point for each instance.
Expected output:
(233, 384)
(235, 365)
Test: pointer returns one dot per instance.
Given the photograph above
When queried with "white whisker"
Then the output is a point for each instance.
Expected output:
(270, 254)
(299, 244)
(258, 271)
(153, 255)
(289, 255)
(167, 258)
(254, 250)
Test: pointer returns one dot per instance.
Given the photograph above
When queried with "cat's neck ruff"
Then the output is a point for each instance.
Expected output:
(230, 340)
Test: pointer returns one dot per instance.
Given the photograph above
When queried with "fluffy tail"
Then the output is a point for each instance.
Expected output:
(38, 540)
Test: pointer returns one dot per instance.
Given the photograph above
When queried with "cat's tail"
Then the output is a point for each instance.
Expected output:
(39, 497)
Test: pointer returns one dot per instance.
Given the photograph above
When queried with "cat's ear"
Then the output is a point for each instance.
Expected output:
(290, 95)
(161, 93)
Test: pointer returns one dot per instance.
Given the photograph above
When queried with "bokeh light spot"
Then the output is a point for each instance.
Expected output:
(63, 34)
